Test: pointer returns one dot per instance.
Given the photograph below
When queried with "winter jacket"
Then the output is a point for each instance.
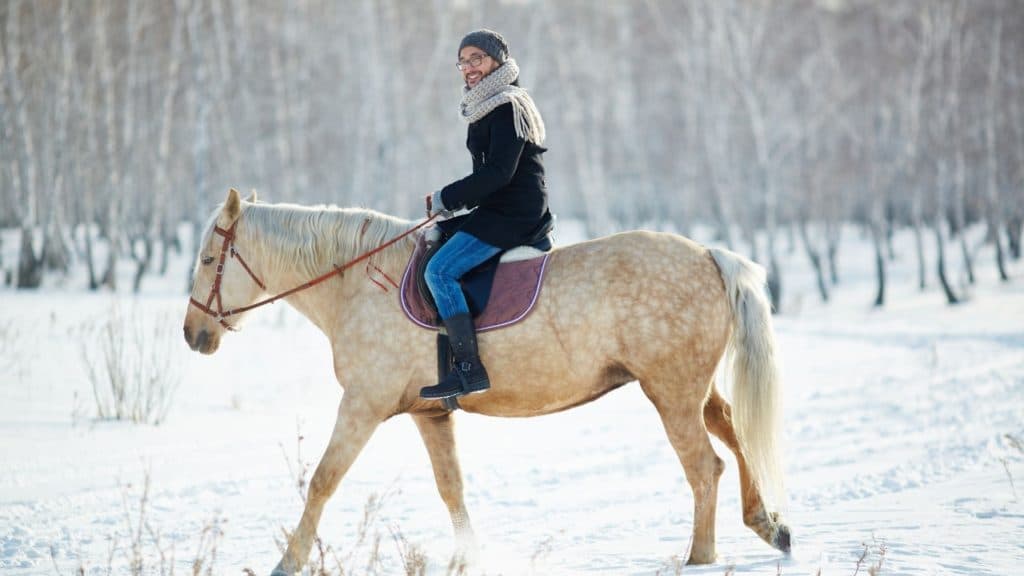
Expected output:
(507, 185)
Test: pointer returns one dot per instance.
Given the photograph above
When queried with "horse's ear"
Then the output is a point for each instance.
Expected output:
(233, 205)
(252, 196)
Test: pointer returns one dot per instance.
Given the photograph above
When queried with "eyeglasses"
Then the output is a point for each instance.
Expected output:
(474, 61)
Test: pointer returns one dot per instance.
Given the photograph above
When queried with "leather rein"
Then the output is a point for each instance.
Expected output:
(228, 247)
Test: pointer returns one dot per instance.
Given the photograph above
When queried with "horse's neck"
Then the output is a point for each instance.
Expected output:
(327, 303)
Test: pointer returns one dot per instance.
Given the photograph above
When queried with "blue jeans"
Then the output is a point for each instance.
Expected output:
(459, 255)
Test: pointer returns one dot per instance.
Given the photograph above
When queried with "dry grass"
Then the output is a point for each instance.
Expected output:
(10, 340)
(132, 364)
(876, 548)
(1016, 444)
(141, 547)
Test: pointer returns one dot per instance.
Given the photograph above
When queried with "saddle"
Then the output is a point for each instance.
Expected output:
(500, 292)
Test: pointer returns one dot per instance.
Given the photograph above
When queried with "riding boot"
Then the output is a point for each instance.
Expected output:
(468, 376)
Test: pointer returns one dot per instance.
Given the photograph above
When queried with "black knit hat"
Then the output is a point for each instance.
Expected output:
(489, 41)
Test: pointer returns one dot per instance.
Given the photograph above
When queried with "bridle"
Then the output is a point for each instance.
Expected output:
(228, 247)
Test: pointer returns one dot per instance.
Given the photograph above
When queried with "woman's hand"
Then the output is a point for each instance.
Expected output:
(435, 206)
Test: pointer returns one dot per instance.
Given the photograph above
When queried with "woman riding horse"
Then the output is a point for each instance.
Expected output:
(506, 189)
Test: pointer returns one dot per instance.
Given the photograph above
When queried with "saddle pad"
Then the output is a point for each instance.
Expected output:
(514, 293)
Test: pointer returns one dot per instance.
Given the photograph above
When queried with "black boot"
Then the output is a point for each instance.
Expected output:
(468, 376)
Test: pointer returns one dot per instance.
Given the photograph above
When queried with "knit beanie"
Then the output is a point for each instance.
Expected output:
(489, 41)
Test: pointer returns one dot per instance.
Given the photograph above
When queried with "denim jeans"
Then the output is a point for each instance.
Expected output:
(459, 255)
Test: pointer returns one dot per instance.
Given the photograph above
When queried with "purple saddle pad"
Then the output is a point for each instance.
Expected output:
(514, 293)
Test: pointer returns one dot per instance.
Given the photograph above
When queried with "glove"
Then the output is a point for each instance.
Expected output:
(435, 206)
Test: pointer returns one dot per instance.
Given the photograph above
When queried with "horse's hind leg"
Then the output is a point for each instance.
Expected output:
(718, 419)
(681, 413)
(439, 438)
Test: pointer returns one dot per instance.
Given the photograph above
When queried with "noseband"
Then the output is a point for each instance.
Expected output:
(220, 314)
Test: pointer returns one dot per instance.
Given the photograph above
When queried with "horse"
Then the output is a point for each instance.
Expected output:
(651, 307)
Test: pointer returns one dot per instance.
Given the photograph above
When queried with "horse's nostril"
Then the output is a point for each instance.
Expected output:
(201, 341)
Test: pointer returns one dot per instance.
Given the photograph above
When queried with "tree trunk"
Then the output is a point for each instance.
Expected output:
(878, 239)
(169, 241)
(113, 214)
(110, 274)
(143, 260)
(1000, 257)
(940, 245)
(919, 248)
(890, 233)
(960, 164)
(89, 263)
(30, 267)
(815, 256)
(56, 253)
(833, 234)
(990, 146)
(965, 255)
(24, 176)
(3, 271)
(1013, 233)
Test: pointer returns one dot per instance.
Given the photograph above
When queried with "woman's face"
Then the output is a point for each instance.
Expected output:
(469, 56)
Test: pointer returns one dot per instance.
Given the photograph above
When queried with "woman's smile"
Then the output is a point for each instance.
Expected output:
(475, 64)
(473, 77)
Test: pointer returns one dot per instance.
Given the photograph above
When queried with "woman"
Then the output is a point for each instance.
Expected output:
(506, 193)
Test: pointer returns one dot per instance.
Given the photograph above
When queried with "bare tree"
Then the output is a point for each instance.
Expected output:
(111, 225)
(942, 21)
(912, 114)
(1015, 221)
(24, 175)
(992, 162)
(56, 252)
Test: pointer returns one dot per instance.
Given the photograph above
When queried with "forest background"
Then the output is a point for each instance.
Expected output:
(777, 123)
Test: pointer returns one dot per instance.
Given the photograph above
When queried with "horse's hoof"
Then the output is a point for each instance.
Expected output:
(782, 538)
(703, 558)
(699, 561)
(280, 571)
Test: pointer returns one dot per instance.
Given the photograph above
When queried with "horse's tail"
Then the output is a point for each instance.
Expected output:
(756, 405)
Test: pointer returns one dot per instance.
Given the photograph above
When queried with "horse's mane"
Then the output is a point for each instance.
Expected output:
(318, 237)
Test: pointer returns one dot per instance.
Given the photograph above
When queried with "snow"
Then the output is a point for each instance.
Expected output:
(900, 426)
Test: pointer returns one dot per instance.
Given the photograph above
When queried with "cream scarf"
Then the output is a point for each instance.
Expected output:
(496, 89)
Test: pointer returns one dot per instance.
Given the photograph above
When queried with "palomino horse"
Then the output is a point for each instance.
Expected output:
(652, 307)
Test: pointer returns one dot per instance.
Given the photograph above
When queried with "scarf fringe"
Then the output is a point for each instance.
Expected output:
(497, 89)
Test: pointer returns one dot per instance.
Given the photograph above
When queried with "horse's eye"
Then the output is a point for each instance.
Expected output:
(207, 260)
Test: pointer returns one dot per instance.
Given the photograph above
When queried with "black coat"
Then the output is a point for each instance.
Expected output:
(507, 185)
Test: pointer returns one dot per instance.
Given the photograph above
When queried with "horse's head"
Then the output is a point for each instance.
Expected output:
(223, 283)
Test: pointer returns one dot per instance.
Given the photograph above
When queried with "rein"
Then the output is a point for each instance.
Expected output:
(221, 315)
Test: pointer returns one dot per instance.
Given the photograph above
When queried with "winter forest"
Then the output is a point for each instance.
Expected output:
(775, 123)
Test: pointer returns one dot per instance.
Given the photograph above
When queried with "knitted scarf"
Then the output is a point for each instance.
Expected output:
(496, 89)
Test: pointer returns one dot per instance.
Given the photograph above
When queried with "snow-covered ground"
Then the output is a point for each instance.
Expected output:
(901, 428)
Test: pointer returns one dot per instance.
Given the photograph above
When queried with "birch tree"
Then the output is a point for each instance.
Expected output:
(29, 273)
(992, 163)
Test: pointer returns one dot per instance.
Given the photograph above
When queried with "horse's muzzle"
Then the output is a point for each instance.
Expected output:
(202, 342)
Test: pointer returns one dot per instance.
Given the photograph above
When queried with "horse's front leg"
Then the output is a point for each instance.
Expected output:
(439, 438)
(356, 422)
